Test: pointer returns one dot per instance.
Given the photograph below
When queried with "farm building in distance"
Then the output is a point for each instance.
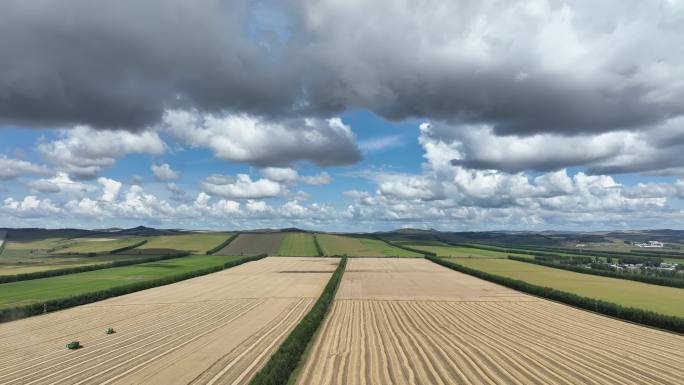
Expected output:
(649, 244)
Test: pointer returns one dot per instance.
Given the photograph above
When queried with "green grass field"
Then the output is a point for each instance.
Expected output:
(661, 299)
(95, 245)
(444, 250)
(39, 290)
(360, 247)
(298, 245)
(195, 243)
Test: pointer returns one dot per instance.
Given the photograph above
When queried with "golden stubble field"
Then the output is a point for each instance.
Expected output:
(414, 322)
(216, 329)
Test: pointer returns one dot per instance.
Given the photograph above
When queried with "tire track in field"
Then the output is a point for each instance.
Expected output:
(168, 334)
(130, 364)
(132, 343)
(445, 342)
(518, 367)
(95, 327)
(280, 328)
(135, 331)
(536, 353)
(602, 336)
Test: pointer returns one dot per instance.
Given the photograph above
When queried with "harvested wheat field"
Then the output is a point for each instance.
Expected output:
(450, 328)
(216, 329)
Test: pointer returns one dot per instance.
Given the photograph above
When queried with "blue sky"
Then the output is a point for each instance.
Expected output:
(532, 115)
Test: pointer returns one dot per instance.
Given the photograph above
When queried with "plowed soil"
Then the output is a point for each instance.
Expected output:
(469, 331)
(216, 329)
(254, 244)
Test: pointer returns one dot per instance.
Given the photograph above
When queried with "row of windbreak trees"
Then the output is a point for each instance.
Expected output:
(319, 249)
(285, 360)
(674, 281)
(222, 245)
(641, 316)
(10, 314)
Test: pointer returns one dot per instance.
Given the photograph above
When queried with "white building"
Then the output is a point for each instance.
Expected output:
(649, 244)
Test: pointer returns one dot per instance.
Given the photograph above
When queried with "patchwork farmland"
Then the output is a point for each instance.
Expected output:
(23, 254)
(216, 329)
(391, 321)
(360, 247)
(254, 244)
(413, 322)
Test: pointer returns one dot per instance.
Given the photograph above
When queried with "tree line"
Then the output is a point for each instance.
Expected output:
(319, 249)
(223, 244)
(129, 247)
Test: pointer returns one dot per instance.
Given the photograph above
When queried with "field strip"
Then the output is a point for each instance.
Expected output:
(372, 337)
(266, 335)
(223, 325)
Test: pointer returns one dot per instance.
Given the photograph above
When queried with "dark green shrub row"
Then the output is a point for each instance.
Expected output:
(18, 312)
(645, 317)
(481, 247)
(636, 259)
(222, 245)
(126, 248)
(319, 249)
(407, 248)
(654, 280)
(81, 269)
(570, 260)
(284, 361)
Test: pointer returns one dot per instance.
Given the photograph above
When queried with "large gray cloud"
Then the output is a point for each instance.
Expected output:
(521, 67)
(119, 64)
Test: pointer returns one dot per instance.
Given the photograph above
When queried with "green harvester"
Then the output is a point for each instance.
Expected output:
(73, 345)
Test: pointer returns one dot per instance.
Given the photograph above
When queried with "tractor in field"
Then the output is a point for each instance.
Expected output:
(73, 345)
